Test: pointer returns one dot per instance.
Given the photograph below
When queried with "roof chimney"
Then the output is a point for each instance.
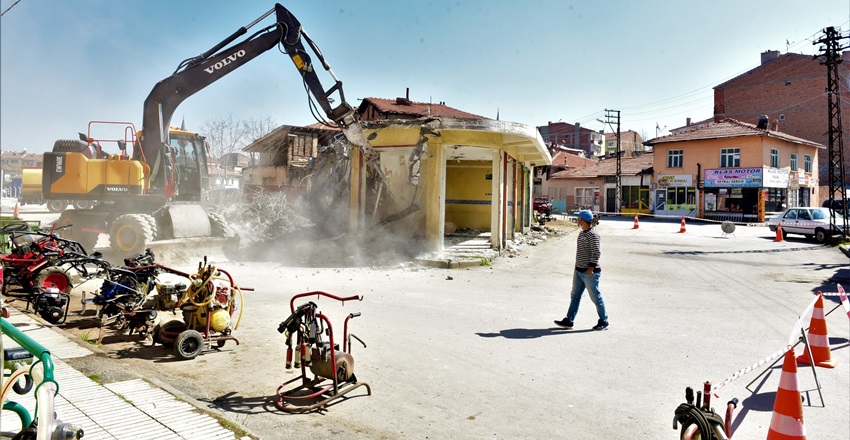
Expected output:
(763, 120)
(405, 100)
(687, 122)
(769, 55)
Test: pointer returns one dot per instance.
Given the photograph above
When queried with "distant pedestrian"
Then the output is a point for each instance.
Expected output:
(587, 273)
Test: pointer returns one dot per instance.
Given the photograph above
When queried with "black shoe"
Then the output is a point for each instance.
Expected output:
(565, 323)
(601, 325)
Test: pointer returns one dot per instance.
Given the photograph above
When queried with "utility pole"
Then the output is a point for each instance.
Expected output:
(830, 56)
(612, 116)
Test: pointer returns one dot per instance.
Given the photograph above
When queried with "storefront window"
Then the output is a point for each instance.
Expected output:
(681, 198)
(776, 200)
(635, 197)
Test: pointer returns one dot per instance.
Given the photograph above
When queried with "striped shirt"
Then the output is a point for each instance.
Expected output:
(588, 250)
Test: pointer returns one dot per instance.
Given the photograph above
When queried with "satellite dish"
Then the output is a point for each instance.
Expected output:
(727, 227)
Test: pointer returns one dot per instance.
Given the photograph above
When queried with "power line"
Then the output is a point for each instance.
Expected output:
(10, 7)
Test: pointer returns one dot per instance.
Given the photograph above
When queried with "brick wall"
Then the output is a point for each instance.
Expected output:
(792, 86)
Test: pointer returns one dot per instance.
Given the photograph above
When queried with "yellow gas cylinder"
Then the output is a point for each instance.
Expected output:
(219, 320)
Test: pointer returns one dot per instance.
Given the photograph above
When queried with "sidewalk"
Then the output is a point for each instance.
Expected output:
(131, 410)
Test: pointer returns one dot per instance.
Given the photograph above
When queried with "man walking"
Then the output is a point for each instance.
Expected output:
(587, 273)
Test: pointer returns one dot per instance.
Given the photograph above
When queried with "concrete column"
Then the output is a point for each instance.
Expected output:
(496, 201)
(511, 199)
(527, 188)
(355, 198)
(435, 208)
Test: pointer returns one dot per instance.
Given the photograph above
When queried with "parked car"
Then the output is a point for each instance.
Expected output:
(543, 205)
(840, 206)
(807, 221)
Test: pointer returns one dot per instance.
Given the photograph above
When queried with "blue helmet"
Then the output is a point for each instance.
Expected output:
(586, 215)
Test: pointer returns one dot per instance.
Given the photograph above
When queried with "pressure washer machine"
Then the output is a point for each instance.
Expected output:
(316, 349)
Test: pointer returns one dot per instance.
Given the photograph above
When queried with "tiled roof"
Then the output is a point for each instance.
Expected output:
(728, 128)
(563, 159)
(629, 166)
(417, 109)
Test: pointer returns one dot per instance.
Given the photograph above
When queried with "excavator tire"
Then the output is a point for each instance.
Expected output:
(219, 226)
(130, 234)
(56, 205)
(152, 224)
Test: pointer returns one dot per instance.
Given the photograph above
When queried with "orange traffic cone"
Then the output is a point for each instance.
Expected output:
(787, 420)
(682, 229)
(818, 339)
(17, 210)
(779, 236)
(636, 222)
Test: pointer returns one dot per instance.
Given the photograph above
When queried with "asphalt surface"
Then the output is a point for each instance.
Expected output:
(473, 353)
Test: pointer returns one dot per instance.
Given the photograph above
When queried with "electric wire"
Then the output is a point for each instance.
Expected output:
(664, 112)
(10, 7)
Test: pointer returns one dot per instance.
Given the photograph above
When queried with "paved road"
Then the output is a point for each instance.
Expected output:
(473, 353)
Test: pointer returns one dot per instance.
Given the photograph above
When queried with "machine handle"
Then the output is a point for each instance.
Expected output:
(354, 315)
(352, 335)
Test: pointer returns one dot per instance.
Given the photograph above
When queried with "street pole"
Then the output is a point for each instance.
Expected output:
(830, 56)
(610, 117)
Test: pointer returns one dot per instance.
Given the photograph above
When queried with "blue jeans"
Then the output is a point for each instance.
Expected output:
(582, 280)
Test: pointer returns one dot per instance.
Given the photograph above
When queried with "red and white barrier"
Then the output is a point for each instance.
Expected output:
(844, 301)
(793, 338)
(774, 356)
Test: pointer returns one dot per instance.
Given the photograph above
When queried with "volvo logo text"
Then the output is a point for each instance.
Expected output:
(59, 164)
(115, 189)
(229, 59)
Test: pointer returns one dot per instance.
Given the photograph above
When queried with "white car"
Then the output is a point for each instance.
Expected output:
(807, 221)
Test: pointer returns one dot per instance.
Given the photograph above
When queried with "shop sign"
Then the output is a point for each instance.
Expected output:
(666, 180)
(734, 178)
(776, 178)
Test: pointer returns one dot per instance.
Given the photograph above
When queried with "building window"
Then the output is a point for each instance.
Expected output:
(730, 157)
(681, 198)
(635, 197)
(774, 158)
(807, 163)
(675, 158)
(794, 162)
(584, 197)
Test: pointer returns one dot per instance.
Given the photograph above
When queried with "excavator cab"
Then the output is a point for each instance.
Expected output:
(188, 157)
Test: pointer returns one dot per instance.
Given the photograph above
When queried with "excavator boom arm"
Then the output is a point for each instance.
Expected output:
(197, 73)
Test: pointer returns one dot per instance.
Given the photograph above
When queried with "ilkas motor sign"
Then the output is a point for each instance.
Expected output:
(227, 60)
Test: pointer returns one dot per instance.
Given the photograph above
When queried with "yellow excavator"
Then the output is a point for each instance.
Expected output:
(152, 189)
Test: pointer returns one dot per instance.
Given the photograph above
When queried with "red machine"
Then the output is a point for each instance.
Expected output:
(34, 271)
(323, 357)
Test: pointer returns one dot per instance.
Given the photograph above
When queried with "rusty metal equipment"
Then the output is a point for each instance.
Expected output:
(212, 308)
(316, 349)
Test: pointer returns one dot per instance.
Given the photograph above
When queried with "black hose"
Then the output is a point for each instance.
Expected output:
(687, 414)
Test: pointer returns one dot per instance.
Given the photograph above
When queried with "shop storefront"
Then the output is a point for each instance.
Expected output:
(744, 194)
(675, 195)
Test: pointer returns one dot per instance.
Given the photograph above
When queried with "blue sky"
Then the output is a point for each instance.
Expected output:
(64, 63)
